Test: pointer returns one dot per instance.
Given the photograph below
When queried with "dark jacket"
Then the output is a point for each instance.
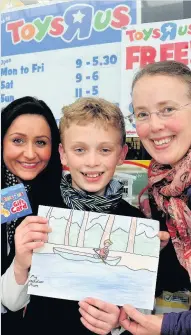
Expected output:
(172, 276)
(176, 324)
(50, 316)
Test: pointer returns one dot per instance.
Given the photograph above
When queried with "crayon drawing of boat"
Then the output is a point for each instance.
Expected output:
(82, 256)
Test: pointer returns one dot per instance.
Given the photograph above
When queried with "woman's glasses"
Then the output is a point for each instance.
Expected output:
(163, 113)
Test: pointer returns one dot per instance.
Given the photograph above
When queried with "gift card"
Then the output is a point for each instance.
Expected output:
(14, 203)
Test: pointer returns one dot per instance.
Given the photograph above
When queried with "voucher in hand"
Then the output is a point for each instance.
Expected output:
(14, 203)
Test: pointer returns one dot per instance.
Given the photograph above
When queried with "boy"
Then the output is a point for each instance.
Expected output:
(93, 140)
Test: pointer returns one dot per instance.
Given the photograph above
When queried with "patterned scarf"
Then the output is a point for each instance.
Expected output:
(11, 180)
(86, 201)
(170, 188)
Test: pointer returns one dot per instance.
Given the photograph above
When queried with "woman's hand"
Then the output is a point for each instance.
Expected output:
(164, 239)
(140, 324)
(98, 316)
(32, 233)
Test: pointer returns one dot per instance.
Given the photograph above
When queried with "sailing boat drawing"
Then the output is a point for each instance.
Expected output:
(98, 252)
(82, 256)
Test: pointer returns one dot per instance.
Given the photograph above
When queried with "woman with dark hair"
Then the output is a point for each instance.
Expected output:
(30, 140)
(161, 95)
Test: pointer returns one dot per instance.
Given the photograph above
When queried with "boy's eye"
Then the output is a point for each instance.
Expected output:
(18, 140)
(41, 143)
(79, 150)
(105, 150)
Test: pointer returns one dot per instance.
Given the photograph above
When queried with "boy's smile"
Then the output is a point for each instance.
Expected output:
(92, 176)
(92, 152)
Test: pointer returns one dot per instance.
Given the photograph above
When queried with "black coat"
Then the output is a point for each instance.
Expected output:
(50, 316)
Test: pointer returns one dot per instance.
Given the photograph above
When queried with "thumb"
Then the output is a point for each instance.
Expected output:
(134, 314)
(128, 314)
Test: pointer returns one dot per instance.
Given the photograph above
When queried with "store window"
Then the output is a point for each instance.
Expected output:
(156, 10)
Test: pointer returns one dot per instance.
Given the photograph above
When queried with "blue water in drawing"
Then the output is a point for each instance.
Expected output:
(76, 280)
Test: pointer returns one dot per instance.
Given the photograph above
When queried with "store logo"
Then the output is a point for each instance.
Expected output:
(78, 21)
(167, 31)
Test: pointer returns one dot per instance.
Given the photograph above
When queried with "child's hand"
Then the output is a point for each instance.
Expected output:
(99, 316)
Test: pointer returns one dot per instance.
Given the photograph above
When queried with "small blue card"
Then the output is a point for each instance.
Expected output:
(14, 203)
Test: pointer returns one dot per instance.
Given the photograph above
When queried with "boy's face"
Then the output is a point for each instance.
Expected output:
(92, 152)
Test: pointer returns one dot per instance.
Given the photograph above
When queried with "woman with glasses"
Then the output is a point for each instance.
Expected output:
(161, 94)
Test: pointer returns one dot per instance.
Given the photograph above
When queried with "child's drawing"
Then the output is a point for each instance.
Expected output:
(105, 256)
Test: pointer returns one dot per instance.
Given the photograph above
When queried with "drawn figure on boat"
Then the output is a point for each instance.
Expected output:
(103, 252)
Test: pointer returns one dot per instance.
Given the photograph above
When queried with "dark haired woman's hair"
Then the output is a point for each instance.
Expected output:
(47, 184)
(167, 68)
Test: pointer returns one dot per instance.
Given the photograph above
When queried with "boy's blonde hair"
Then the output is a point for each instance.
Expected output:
(87, 110)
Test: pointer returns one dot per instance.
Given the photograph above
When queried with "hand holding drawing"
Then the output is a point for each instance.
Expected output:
(164, 238)
(29, 235)
(98, 316)
(142, 324)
